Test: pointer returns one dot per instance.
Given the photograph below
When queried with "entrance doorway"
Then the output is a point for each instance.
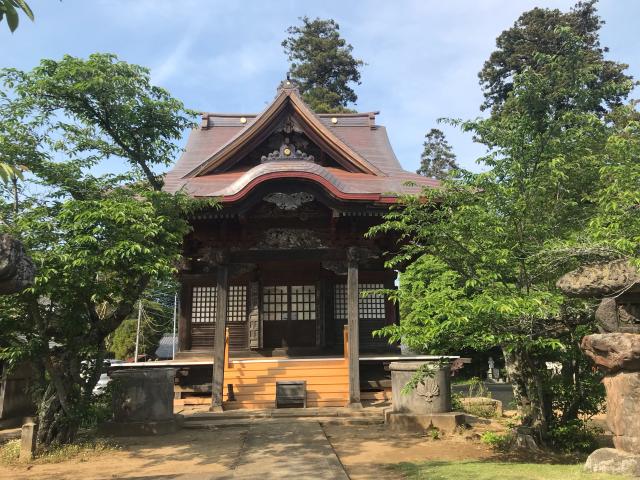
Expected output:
(289, 316)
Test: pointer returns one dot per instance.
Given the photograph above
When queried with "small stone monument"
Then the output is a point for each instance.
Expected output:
(616, 352)
(428, 405)
(28, 439)
(142, 402)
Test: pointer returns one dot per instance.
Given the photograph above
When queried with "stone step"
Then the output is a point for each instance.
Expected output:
(246, 422)
(342, 412)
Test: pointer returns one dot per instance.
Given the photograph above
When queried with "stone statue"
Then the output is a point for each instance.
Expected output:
(616, 352)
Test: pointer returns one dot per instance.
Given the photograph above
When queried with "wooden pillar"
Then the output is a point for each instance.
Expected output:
(352, 321)
(184, 318)
(217, 387)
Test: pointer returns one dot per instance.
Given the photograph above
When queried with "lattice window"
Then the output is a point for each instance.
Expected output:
(340, 301)
(203, 304)
(237, 303)
(275, 302)
(303, 302)
(371, 306)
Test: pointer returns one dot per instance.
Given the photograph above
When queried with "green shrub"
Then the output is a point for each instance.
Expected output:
(574, 436)
(497, 441)
(10, 452)
(456, 403)
(486, 410)
(477, 388)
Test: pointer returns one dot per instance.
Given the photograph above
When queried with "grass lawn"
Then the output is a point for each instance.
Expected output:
(474, 470)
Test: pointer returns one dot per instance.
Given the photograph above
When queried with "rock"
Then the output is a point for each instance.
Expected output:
(623, 410)
(614, 316)
(613, 352)
(600, 280)
(16, 268)
(610, 460)
(629, 316)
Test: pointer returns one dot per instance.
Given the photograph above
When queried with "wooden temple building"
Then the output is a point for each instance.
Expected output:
(272, 282)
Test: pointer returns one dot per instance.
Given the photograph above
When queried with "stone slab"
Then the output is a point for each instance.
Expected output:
(296, 450)
(446, 422)
(610, 460)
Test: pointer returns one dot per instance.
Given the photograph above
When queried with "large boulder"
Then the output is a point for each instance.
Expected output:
(16, 268)
(610, 460)
(615, 316)
(613, 352)
(623, 410)
(600, 280)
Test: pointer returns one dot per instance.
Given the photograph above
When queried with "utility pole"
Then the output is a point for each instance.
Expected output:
(175, 314)
(135, 357)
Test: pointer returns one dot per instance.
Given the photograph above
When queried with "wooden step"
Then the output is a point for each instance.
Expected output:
(381, 395)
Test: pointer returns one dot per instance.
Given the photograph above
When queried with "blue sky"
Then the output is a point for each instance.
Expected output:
(423, 56)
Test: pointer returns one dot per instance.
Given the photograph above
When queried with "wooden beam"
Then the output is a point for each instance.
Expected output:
(220, 337)
(258, 256)
(352, 322)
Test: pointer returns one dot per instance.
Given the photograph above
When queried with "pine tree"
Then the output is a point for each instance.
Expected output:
(543, 31)
(437, 158)
(322, 65)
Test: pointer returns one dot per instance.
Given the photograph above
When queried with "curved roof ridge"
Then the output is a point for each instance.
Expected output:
(262, 121)
(288, 166)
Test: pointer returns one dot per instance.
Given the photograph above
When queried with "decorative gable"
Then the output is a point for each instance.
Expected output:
(286, 130)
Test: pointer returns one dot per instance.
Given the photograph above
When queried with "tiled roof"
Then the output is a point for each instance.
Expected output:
(356, 136)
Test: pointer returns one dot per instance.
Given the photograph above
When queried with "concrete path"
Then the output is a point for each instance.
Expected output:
(297, 450)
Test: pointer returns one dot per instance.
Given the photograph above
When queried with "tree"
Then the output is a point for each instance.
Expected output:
(489, 240)
(540, 32)
(156, 320)
(10, 8)
(616, 226)
(322, 64)
(437, 158)
(98, 241)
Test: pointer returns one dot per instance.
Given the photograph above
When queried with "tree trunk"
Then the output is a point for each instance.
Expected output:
(66, 399)
(55, 426)
(534, 405)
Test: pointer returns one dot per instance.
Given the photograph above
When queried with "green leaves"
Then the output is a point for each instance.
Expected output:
(98, 240)
(541, 36)
(322, 64)
(9, 9)
(560, 186)
(437, 159)
(103, 107)
(7, 172)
